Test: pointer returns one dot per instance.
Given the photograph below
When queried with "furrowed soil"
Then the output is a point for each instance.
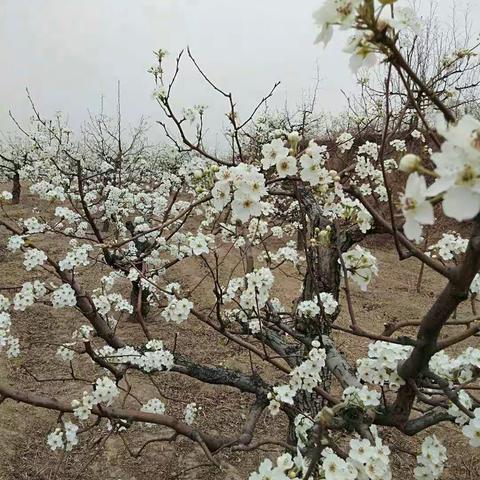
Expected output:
(102, 455)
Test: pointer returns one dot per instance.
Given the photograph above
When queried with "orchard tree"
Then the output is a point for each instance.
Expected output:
(14, 158)
(443, 57)
(237, 216)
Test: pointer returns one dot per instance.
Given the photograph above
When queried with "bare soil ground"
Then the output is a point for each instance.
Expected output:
(23, 429)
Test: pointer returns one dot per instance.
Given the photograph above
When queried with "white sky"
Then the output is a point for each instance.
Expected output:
(69, 52)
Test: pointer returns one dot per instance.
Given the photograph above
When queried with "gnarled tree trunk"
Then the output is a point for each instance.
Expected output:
(16, 188)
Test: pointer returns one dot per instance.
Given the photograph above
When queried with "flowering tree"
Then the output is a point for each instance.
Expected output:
(444, 57)
(237, 216)
(14, 157)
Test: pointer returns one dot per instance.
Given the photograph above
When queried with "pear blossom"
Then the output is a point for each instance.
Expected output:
(273, 152)
(458, 169)
(335, 468)
(345, 141)
(245, 206)
(105, 391)
(64, 296)
(154, 405)
(286, 166)
(363, 54)
(266, 471)
(472, 429)
(221, 195)
(310, 169)
(335, 12)
(361, 266)
(34, 258)
(431, 461)
(5, 196)
(416, 209)
(190, 412)
(329, 303)
(177, 311)
(406, 19)
(15, 242)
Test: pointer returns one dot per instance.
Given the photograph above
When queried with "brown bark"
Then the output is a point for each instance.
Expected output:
(16, 188)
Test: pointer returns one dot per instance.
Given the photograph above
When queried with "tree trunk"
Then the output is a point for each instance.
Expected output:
(16, 189)
(323, 275)
(300, 240)
(106, 225)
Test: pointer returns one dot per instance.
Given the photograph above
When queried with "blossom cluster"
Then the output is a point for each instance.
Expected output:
(305, 376)
(449, 247)
(311, 308)
(248, 186)
(29, 293)
(431, 461)
(151, 358)
(104, 391)
(105, 303)
(460, 369)
(177, 311)
(76, 257)
(380, 368)
(64, 296)
(34, 258)
(154, 405)
(472, 429)
(365, 461)
(6, 339)
(64, 438)
(190, 412)
(344, 15)
(362, 397)
(5, 196)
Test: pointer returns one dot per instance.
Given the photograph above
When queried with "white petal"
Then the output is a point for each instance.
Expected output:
(424, 213)
(461, 203)
(415, 187)
(440, 185)
(412, 229)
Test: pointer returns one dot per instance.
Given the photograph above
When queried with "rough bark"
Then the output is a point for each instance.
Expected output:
(16, 188)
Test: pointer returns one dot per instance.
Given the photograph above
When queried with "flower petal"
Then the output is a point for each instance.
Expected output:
(461, 203)
(412, 229)
(424, 213)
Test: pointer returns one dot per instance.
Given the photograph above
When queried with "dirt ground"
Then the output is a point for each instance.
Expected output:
(23, 430)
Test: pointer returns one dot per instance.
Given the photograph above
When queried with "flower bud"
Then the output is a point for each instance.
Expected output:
(326, 416)
(198, 174)
(293, 137)
(409, 163)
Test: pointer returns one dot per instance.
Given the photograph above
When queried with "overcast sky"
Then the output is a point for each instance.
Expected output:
(70, 52)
